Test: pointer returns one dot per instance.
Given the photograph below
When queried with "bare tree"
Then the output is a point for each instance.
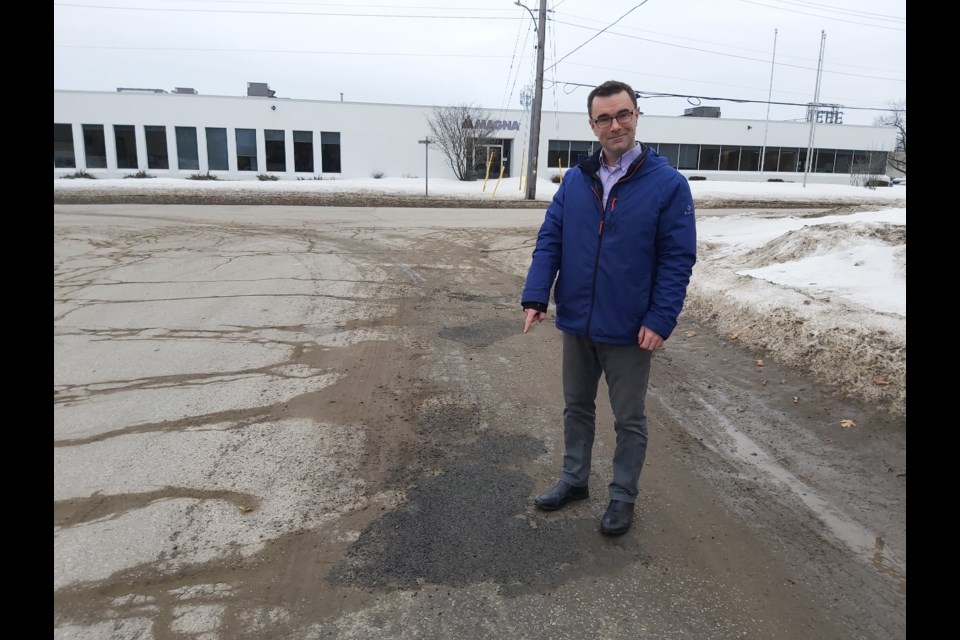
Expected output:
(460, 132)
(897, 117)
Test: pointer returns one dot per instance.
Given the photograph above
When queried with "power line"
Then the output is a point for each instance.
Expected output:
(331, 53)
(728, 55)
(553, 73)
(597, 34)
(513, 85)
(454, 55)
(656, 94)
(804, 13)
(579, 26)
(832, 9)
(286, 13)
(352, 5)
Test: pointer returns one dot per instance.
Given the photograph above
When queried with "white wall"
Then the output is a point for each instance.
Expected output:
(384, 137)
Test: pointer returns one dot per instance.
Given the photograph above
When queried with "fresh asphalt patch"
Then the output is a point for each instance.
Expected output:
(473, 523)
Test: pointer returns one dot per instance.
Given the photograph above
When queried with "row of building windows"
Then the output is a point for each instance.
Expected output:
(715, 157)
(187, 154)
(561, 153)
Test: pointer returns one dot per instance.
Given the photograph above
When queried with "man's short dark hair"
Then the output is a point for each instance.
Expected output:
(610, 88)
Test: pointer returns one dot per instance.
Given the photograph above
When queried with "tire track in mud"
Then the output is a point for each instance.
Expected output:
(829, 500)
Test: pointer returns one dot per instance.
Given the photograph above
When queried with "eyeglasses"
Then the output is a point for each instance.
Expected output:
(623, 118)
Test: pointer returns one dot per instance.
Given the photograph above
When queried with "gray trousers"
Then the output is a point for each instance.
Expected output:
(626, 369)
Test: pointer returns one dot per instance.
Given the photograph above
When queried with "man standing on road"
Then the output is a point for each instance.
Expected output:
(619, 237)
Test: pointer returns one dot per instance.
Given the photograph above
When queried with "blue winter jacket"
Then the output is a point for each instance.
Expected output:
(622, 267)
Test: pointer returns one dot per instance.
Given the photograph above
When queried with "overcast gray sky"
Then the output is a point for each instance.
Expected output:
(482, 52)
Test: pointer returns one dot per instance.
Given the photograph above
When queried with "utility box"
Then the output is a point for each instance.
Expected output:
(260, 89)
(702, 112)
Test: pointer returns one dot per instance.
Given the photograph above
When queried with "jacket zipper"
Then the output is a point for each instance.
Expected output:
(596, 261)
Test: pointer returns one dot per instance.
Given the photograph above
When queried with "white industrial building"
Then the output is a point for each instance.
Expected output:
(179, 134)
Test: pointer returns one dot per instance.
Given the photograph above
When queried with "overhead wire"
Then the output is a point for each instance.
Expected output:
(729, 55)
(516, 76)
(352, 5)
(598, 33)
(656, 94)
(515, 68)
(553, 83)
(858, 14)
(296, 51)
(283, 13)
(833, 9)
(521, 18)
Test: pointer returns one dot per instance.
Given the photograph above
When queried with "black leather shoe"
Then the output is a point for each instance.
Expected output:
(618, 518)
(559, 495)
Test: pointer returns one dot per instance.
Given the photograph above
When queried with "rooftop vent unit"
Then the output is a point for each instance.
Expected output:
(136, 90)
(260, 89)
(189, 90)
(702, 112)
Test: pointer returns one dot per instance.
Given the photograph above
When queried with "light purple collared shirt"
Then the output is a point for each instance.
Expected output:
(610, 175)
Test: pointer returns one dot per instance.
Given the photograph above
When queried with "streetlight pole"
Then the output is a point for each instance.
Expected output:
(539, 25)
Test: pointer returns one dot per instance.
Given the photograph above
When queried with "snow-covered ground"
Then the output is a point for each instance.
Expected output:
(492, 189)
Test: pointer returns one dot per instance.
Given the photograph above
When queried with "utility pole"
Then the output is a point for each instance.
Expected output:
(540, 26)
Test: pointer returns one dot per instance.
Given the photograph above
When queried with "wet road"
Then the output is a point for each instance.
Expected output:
(298, 422)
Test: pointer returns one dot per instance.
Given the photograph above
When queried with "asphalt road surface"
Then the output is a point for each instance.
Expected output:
(325, 422)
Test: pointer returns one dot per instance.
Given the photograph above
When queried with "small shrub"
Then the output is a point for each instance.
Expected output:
(410, 175)
(692, 178)
(264, 177)
(774, 179)
(79, 174)
(140, 174)
(556, 178)
(378, 174)
(204, 176)
(315, 178)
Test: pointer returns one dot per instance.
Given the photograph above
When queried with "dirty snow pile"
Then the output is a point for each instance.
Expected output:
(827, 294)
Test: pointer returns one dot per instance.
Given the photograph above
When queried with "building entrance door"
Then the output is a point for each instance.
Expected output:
(496, 152)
